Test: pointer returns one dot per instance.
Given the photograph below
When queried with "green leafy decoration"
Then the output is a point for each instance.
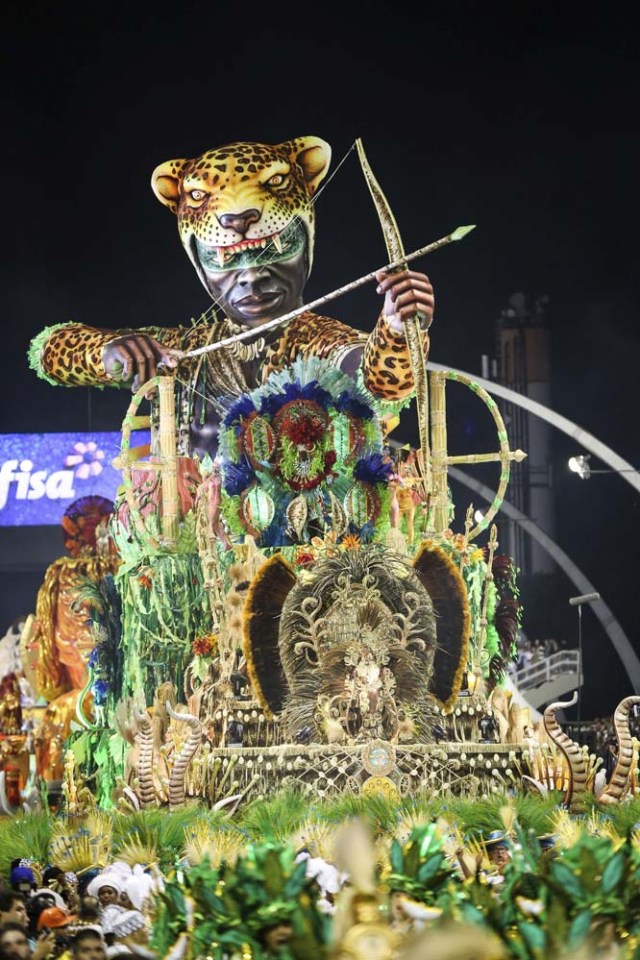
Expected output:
(579, 929)
(276, 818)
(534, 937)
(429, 869)
(396, 857)
(614, 872)
(26, 836)
(566, 880)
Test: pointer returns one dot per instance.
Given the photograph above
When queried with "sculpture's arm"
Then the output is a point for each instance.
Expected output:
(76, 355)
(386, 365)
(384, 356)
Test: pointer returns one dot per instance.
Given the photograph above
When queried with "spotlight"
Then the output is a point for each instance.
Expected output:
(580, 465)
(583, 468)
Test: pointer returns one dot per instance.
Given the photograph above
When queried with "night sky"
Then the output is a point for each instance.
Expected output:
(523, 122)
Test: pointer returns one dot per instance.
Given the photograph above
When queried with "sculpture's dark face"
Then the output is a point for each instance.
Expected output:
(256, 293)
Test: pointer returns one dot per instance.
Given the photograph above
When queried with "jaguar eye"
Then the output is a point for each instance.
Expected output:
(276, 180)
(197, 195)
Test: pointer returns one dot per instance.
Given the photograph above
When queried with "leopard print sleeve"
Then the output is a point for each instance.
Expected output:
(70, 354)
(386, 365)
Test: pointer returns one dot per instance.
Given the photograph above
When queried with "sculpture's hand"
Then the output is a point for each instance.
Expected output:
(133, 359)
(405, 294)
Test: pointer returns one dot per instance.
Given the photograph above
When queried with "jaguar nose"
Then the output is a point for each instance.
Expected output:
(240, 222)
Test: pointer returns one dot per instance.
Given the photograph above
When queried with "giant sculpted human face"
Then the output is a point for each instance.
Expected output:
(246, 220)
(259, 292)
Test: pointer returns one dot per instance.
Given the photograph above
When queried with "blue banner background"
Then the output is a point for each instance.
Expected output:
(41, 474)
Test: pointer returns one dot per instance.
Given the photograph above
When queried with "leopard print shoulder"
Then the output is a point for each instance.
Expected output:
(312, 336)
(385, 362)
(70, 354)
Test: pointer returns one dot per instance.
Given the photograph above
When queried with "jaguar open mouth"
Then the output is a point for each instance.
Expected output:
(254, 252)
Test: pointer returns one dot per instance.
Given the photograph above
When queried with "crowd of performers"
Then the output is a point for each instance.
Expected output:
(47, 912)
(330, 891)
(115, 905)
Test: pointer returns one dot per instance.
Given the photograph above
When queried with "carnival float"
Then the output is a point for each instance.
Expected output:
(291, 628)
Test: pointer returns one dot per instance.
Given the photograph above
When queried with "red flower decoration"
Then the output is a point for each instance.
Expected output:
(305, 559)
(305, 432)
(203, 646)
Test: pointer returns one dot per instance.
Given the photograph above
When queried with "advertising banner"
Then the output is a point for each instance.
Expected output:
(41, 474)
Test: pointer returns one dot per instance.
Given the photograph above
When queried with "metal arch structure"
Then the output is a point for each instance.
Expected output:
(626, 470)
(606, 617)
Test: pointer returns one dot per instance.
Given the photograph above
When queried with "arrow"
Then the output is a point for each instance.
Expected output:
(458, 234)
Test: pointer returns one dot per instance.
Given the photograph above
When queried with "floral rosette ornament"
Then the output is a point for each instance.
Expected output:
(302, 456)
(302, 428)
(204, 649)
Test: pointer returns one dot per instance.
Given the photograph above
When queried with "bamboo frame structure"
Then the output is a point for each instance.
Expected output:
(166, 464)
(168, 453)
(438, 417)
(441, 460)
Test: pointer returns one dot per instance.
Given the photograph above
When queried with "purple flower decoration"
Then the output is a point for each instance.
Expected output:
(100, 692)
(237, 477)
(373, 469)
(347, 403)
(86, 460)
(294, 391)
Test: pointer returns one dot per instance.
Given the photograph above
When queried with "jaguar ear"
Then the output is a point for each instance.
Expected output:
(313, 156)
(166, 180)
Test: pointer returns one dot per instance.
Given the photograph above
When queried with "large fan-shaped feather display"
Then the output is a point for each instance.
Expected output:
(444, 584)
(267, 594)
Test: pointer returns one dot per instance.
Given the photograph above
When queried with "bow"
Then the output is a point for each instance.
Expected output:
(413, 332)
